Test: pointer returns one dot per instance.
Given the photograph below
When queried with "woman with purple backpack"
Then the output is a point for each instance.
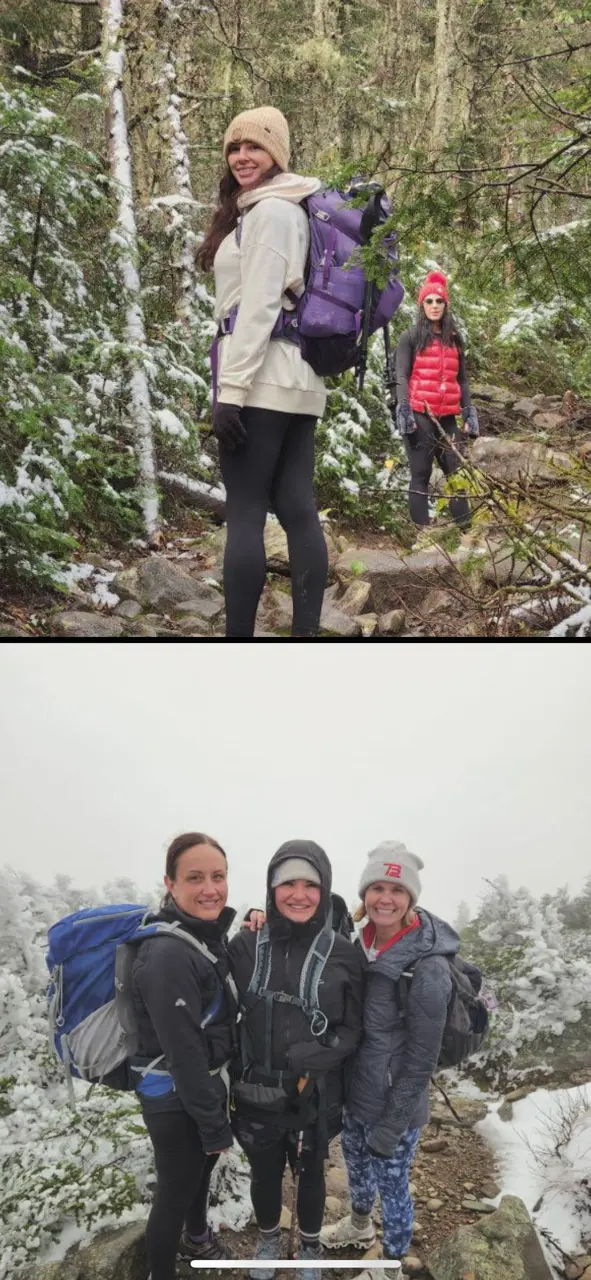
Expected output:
(268, 397)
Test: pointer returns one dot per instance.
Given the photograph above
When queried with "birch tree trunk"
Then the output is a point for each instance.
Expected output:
(443, 69)
(120, 158)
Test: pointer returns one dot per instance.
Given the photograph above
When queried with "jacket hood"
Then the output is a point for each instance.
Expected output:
(434, 938)
(312, 853)
(285, 186)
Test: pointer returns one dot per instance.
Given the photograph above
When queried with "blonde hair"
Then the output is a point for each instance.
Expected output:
(409, 916)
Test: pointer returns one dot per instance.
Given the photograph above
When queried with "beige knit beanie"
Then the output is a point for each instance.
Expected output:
(265, 126)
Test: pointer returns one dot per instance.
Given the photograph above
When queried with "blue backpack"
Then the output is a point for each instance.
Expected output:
(92, 1022)
(339, 308)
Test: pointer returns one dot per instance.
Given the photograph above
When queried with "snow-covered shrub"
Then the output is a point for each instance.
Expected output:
(541, 979)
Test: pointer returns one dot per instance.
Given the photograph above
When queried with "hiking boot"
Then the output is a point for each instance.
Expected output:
(211, 1250)
(309, 1252)
(343, 1233)
(268, 1246)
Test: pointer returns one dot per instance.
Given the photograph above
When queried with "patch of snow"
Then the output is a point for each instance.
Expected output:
(543, 1154)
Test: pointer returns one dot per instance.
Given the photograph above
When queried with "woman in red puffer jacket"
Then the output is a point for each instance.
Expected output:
(431, 384)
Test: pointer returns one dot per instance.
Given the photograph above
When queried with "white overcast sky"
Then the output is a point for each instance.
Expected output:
(477, 756)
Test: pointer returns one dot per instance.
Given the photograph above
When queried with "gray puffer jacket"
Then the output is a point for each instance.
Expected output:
(389, 1087)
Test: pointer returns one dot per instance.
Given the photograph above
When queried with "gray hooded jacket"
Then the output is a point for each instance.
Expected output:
(389, 1087)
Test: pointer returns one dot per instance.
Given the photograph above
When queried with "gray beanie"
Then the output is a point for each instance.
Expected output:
(391, 860)
(294, 869)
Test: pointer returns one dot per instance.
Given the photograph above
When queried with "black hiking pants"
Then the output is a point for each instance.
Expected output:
(423, 447)
(183, 1173)
(272, 470)
(267, 1166)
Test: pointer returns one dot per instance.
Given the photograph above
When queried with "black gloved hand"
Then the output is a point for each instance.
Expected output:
(405, 418)
(470, 417)
(228, 426)
(377, 1155)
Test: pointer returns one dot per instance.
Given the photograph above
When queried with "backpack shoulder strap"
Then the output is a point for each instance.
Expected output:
(262, 962)
(311, 976)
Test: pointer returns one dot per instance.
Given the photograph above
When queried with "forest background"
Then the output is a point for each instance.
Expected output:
(475, 116)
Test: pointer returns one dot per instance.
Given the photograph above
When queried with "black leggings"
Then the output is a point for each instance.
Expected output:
(273, 469)
(422, 447)
(267, 1165)
(183, 1174)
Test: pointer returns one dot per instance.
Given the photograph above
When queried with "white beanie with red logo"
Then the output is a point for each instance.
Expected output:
(392, 861)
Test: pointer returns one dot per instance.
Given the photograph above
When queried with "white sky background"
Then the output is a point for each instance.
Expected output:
(477, 756)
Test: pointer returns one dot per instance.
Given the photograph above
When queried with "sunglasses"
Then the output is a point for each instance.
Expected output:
(431, 302)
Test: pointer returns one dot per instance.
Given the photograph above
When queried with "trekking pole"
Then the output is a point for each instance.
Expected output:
(297, 1169)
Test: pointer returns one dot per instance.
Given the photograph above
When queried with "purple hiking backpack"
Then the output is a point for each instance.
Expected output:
(339, 308)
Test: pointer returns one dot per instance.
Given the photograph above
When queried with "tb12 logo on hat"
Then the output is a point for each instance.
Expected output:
(394, 870)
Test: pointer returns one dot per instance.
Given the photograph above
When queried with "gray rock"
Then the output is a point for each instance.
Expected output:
(512, 459)
(162, 586)
(193, 625)
(126, 584)
(207, 602)
(434, 1204)
(355, 598)
(500, 565)
(397, 581)
(490, 1189)
(8, 632)
(276, 548)
(412, 1266)
(368, 624)
(525, 407)
(391, 623)
(88, 626)
(477, 1206)
(548, 421)
(333, 620)
(115, 1254)
(499, 1245)
(495, 395)
(129, 609)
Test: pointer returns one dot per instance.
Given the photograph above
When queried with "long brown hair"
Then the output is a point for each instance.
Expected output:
(225, 218)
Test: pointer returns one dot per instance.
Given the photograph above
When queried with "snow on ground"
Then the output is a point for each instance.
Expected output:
(543, 1154)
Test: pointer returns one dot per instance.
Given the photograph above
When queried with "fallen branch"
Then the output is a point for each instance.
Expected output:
(196, 492)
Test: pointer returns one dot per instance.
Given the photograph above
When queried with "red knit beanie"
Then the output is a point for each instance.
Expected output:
(435, 283)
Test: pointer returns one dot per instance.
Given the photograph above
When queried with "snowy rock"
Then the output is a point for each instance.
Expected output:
(500, 1245)
(114, 1254)
(87, 626)
(510, 459)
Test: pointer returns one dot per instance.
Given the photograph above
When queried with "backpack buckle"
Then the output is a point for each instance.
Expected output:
(318, 1023)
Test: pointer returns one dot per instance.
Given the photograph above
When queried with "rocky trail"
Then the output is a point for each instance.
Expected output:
(533, 453)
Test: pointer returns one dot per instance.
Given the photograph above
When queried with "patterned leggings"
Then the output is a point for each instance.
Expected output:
(369, 1175)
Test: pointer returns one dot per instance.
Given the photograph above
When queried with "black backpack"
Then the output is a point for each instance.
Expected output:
(467, 1021)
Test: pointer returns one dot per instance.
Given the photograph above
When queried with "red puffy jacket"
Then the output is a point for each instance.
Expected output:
(434, 380)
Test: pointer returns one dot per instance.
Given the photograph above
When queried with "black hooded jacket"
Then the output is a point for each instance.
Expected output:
(172, 987)
(295, 1050)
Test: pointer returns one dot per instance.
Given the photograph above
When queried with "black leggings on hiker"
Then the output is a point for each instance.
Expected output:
(183, 1173)
(267, 1165)
(272, 470)
(423, 447)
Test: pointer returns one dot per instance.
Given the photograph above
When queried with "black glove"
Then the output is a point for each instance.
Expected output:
(405, 418)
(228, 426)
(470, 417)
(377, 1155)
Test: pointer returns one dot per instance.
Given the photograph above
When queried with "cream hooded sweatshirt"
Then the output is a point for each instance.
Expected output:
(271, 258)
